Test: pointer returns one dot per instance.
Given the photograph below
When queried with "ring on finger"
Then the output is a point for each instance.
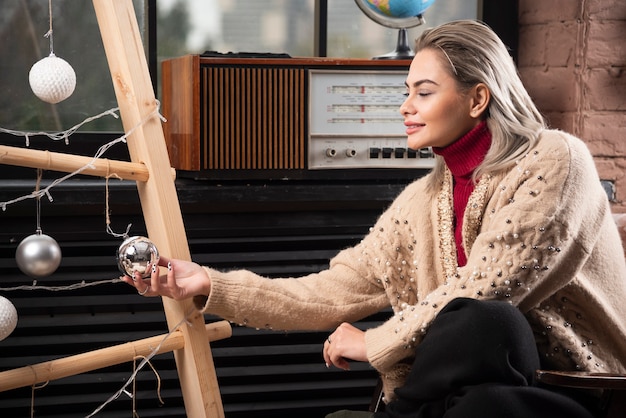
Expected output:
(328, 339)
(144, 291)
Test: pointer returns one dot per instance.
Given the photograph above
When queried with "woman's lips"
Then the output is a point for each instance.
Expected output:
(412, 128)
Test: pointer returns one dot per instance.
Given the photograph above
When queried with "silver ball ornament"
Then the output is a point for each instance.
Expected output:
(8, 317)
(137, 254)
(38, 255)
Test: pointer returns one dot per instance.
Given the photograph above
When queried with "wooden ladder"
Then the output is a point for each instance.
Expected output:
(150, 167)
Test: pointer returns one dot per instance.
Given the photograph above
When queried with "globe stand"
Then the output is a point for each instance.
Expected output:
(403, 51)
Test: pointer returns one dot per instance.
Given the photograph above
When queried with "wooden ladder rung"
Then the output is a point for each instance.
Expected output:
(68, 163)
(105, 357)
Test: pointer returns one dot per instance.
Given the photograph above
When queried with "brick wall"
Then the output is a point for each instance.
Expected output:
(572, 59)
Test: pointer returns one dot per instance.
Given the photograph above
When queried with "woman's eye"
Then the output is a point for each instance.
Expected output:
(424, 93)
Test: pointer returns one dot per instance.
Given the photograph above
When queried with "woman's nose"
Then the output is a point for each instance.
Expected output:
(406, 108)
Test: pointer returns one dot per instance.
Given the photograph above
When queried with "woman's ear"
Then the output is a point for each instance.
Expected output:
(480, 97)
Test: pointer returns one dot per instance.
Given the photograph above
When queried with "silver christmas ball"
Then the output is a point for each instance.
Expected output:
(137, 254)
(38, 255)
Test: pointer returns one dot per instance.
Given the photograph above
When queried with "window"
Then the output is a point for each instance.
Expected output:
(352, 34)
(284, 26)
(76, 39)
(182, 27)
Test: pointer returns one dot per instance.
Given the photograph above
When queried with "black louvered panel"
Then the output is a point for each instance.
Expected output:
(275, 230)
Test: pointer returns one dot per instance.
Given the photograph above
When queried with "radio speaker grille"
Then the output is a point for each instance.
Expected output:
(252, 118)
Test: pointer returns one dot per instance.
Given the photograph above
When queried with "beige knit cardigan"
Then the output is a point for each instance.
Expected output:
(540, 236)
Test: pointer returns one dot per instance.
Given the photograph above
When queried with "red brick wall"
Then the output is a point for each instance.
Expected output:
(572, 59)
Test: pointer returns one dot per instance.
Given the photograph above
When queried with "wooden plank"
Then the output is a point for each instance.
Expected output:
(69, 163)
(159, 201)
(105, 357)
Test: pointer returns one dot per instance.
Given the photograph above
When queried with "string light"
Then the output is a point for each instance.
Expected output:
(38, 193)
(99, 153)
(74, 286)
(64, 135)
(52, 79)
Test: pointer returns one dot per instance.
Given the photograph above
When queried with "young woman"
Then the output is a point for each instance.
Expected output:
(503, 259)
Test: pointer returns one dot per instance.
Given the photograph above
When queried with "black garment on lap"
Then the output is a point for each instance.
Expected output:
(478, 359)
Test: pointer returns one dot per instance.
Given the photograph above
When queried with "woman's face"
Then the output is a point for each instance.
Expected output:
(436, 113)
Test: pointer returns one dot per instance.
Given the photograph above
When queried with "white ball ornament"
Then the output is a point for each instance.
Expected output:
(8, 317)
(38, 255)
(52, 79)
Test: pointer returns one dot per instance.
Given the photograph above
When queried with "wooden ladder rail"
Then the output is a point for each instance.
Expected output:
(159, 201)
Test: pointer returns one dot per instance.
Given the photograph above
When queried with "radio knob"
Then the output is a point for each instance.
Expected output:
(426, 153)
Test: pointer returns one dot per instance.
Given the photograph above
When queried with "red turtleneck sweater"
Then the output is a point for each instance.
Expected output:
(462, 157)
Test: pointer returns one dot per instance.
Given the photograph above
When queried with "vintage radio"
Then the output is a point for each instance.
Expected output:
(280, 113)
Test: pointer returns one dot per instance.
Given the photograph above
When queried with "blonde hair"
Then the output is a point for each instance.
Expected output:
(475, 54)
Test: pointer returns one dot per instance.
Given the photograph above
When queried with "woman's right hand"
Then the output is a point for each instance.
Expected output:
(184, 279)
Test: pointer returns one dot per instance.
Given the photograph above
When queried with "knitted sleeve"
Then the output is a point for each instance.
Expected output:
(318, 301)
(537, 229)
(350, 289)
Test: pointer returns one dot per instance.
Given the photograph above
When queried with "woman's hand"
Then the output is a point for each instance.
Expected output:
(347, 342)
(184, 279)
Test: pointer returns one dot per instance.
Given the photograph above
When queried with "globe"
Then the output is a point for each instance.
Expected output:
(397, 14)
(398, 8)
